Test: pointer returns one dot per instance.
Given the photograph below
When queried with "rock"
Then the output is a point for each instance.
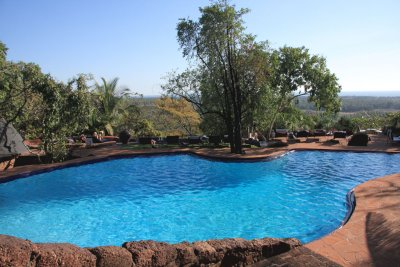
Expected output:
(297, 257)
(205, 253)
(185, 254)
(112, 256)
(151, 253)
(50, 255)
(239, 252)
(225, 252)
(16, 252)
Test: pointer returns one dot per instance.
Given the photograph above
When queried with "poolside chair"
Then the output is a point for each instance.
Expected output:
(396, 139)
(172, 140)
(194, 140)
(359, 139)
(319, 132)
(339, 134)
(303, 134)
(281, 133)
(215, 139)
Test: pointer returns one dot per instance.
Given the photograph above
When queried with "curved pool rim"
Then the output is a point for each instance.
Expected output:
(350, 196)
(84, 161)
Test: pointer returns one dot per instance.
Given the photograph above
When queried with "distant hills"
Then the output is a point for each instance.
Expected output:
(371, 93)
(351, 104)
(346, 93)
(373, 101)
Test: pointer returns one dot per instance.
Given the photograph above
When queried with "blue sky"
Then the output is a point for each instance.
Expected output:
(136, 40)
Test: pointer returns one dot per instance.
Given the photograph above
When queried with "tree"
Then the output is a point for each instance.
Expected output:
(296, 73)
(66, 111)
(180, 114)
(39, 106)
(17, 81)
(111, 102)
(229, 69)
(144, 128)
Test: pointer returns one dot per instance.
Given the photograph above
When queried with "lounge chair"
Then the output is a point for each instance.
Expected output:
(215, 139)
(172, 140)
(339, 134)
(396, 139)
(359, 139)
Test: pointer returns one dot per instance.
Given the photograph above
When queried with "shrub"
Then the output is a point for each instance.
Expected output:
(124, 137)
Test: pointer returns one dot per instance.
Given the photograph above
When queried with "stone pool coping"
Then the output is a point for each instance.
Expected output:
(224, 252)
(350, 245)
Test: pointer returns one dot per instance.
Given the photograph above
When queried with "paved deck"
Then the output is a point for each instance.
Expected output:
(372, 235)
(370, 238)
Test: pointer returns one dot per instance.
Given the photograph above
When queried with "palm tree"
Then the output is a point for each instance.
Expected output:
(109, 97)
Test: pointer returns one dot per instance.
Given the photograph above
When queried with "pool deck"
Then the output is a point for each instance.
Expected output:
(372, 235)
(370, 238)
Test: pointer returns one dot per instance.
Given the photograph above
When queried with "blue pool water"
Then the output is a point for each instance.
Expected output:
(181, 197)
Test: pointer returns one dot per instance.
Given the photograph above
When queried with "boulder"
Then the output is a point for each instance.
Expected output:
(49, 255)
(151, 253)
(239, 252)
(185, 254)
(16, 252)
(225, 252)
(112, 256)
(205, 253)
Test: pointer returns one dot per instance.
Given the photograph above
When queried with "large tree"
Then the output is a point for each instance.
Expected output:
(229, 67)
(294, 72)
(17, 82)
(40, 106)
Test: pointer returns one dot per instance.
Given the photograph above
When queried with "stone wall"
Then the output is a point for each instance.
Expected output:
(225, 252)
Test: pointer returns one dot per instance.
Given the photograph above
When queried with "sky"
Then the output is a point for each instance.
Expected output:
(135, 40)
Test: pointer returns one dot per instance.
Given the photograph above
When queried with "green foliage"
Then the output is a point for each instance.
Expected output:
(66, 111)
(229, 67)
(107, 99)
(145, 128)
(39, 106)
(178, 116)
(239, 82)
(296, 73)
(17, 82)
(213, 125)
(369, 121)
(345, 123)
(115, 108)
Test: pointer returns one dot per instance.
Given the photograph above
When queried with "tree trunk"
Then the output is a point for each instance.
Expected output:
(230, 135)
(238, 125)
(238, 138)
(272, 125)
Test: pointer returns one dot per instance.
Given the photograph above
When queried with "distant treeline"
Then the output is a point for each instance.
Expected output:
(360, 103)
(349, 103)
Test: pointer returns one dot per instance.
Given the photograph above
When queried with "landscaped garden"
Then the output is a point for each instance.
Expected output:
(218, 155)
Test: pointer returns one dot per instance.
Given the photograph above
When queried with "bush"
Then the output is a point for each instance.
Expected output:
(359, 139)
(124, 137)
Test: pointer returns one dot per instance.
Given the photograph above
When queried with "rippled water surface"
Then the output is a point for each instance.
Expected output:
(181, 197)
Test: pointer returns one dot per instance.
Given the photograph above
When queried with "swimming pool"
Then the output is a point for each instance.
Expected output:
(183, 197)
